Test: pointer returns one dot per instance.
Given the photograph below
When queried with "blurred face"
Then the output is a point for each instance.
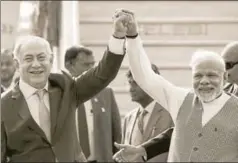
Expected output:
(231, 60)
(8, 67)
(136, 93)
(82, 63)
(35, 64)
(208, 80)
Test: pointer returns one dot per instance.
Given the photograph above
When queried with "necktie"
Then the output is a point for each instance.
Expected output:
(83, 130)
(141, 120)
(44, 115)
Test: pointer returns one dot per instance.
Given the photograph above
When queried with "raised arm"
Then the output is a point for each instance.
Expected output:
(164, 92)
(93, 81)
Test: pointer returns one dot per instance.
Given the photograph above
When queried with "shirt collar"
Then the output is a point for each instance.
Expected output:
(149, 108)
(28, 90)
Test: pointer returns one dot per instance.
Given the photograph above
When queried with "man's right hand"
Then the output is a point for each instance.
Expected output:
(120, 20)
(125, 23)
(129, 153)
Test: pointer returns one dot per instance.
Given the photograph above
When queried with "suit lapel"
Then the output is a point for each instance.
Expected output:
(151, 125)
(132, 121)
(19, 103)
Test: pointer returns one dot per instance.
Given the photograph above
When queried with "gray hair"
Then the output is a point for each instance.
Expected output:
(205, 55)
(24, 40)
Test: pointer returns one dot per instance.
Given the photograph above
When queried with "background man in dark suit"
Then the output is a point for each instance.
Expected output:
(98, 119)
(138, 129)
(8, 68)
(38, 115)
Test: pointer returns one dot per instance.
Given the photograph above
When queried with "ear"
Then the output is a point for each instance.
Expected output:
(16, 62)
(225, 77)
(52, 58)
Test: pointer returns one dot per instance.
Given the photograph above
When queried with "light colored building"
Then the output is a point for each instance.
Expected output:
(171, 30)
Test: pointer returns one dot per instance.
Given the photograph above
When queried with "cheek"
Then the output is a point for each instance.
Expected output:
(216, 82)
(195, 83)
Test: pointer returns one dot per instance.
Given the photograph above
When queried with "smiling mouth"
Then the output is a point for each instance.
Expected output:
(36, 72)
(206, 89)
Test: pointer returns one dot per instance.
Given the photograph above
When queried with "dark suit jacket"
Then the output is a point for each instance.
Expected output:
(22, 140)
(107, 126)
(159, 144)
(2, 90)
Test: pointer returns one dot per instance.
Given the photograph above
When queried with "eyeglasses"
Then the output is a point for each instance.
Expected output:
(230, 65)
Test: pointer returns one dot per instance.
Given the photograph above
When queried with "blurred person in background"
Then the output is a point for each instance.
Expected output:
(230, 56)
(98, 119)
(146, 121)
(8, 69)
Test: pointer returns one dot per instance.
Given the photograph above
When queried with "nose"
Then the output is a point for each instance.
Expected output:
(3, 67)
(131, 89)
(35, 63)
(204, 80)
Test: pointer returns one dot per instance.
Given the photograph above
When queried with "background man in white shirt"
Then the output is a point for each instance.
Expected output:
(203, 116)
(98, 119)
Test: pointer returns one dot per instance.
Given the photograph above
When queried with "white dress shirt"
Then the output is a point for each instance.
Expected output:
(165, 93)
(149, 108)
(32, 99)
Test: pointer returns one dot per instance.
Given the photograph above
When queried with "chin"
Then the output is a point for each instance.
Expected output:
(38, 83)
(207, 97)
(134, 99)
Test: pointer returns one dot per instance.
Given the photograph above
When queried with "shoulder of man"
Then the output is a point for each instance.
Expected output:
(61, 79)
(6, 103)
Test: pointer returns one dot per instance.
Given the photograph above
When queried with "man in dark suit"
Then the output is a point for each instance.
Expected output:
(38, 115)
(230, 55)
(98, 119)
(155, 120)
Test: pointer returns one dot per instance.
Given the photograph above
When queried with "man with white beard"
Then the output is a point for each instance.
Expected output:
(206, 118)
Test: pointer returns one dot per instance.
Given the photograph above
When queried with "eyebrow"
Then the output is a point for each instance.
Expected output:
(37, 54)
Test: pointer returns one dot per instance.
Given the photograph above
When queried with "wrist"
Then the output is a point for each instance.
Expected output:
(119, 35)
(132, 36)
(142, 152)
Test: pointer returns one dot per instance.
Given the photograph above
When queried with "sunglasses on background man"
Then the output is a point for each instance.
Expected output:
(230, 65)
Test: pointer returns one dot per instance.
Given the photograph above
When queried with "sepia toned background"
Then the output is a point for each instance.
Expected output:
(171, 31)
